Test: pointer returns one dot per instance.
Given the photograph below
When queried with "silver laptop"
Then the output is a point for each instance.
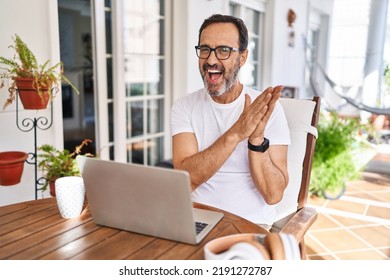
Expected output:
(149, 200)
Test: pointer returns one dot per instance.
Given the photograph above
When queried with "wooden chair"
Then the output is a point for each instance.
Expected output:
(293, 217)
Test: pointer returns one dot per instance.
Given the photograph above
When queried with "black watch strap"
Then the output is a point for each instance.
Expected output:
(260, 148)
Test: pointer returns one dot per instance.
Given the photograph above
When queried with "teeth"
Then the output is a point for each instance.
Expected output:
(213, 71)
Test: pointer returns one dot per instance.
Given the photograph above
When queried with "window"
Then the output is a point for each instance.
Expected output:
(133, 103)
(144, 56)
(250, 73)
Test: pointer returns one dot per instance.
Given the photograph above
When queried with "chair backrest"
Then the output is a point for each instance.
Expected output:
(302, 117)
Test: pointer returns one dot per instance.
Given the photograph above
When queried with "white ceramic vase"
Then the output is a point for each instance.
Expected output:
(70, 194)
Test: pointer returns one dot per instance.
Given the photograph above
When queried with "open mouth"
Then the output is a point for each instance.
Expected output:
(214, 74)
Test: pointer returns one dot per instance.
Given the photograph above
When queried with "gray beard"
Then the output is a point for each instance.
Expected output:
(227, 85)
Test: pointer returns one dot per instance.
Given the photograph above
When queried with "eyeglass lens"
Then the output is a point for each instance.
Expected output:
(220, 52)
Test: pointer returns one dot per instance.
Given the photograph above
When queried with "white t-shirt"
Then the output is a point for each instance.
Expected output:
(231, 188)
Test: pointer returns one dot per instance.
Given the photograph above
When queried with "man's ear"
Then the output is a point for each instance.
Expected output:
(243, 57)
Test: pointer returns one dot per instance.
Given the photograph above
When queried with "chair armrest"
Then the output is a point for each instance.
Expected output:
(300, 222)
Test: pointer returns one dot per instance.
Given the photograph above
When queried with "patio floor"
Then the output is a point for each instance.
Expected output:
(356, 226)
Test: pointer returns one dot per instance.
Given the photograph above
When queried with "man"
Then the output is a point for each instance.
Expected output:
(230, 138)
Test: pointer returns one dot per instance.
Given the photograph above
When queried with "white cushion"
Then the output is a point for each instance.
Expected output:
(299, 114)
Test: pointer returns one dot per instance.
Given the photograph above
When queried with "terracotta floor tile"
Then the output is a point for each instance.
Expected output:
(321, 257)
(385, 196)
(315, 200)
(368, 185)
(379, 212)
(340, 237)
(346, 206)
(312, 246)
(386, 251)
(374, 196)
(323, 222)
(377, 236)
(361, 255)
(339, 240)
(372, 179)
(346, 221)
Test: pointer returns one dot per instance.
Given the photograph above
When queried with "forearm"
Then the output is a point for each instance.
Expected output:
(204, 164)
(270, 177)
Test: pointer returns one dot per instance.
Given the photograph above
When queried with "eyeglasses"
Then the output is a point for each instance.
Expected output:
(221, 52)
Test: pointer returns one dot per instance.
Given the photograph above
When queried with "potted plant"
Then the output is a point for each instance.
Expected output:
(56, 163)
(34, 81)
(334, 160)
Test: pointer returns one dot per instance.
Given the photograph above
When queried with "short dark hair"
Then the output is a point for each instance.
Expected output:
(218, 18)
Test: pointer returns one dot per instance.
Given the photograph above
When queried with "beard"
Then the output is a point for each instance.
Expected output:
(229, 79)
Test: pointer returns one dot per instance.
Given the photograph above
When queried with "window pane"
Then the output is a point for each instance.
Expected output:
(155, 150)
(135, 152)
(155, 116)
(135, 118)
(134, 75)
(154, 76)
(111, 153)
(135, 89)
(110, 122)
(252, 21)
(143, 27)
(109, 79)
(108, 32)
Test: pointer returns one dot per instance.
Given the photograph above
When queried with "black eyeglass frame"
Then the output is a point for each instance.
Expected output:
(197, 48)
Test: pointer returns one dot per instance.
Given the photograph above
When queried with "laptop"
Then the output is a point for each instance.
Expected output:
(143, 199)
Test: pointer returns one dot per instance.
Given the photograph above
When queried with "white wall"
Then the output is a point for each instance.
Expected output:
(288, 62)
(36, 22)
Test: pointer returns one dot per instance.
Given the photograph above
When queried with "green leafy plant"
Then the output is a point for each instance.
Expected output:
(25, 65)
(59, 163)
(333, 162)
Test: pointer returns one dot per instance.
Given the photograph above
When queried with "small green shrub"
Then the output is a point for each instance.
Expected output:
(56, 163)
(333, 163)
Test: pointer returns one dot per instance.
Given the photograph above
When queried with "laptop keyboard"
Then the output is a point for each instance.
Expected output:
(200, 226)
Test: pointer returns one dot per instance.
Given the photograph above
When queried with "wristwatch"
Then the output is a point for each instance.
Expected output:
(260, 148)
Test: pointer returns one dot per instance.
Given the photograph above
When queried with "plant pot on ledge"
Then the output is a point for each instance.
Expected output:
(11, 167)
(31, 97)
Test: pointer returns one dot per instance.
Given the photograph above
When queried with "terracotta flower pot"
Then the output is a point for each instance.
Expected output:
(52, 185)
(29, 94)
(11, 167)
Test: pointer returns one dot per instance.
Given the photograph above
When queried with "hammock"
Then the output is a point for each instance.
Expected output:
(338, 90)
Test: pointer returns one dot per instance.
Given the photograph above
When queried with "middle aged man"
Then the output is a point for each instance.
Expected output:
(232, 139)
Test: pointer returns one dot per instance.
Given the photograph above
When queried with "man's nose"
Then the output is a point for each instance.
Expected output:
(212, 57)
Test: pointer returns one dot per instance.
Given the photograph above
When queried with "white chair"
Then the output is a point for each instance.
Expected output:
(292, 216)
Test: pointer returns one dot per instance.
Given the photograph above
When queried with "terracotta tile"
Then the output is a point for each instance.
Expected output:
(377, 236)
(315, 200)
(346, 221)
(375, 196)
(386, 251)
(339, 240)
(352, 187)
(361, 255)
(372, 181)
(385, 195)
(312, 246)
(379, 212)
(321, 257)
(323, 222)
(349, 206)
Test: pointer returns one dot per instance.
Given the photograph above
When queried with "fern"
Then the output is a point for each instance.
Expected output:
(25, 65)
